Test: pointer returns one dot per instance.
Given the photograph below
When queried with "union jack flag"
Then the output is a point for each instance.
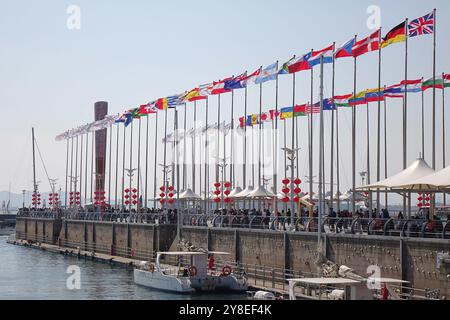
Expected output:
(422, 25)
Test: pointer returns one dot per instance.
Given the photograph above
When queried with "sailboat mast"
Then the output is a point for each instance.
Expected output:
(34, 167)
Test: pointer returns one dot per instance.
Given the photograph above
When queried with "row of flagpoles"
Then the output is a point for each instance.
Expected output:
(352, 48)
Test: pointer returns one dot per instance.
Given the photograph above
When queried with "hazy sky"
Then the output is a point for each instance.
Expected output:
(130, 52)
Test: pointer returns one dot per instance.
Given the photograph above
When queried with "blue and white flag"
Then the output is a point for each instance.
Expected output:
(269, 73)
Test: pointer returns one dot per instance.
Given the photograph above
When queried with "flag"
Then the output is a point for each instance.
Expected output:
(286, 113)
(374, 95)
(371, 43)
(300, 110)
(218, 87)
(175, 100)
(236, 82)
(269, 73)
(446, 80)
(128, 118)
(194, 95)
(242, 122)
(315, 108)
(121, 118)
(254, 118)
(147, 109)
(326, 53)
(397, 34)
(328, 105)
(342, 101)
(204, 90)
(161, 103)
(411, 85)
(422, 25)
(274, 114)
(346, 50)
(394, 91)
(359, 99)
(135, 113)
(296, 64)
(251, 77)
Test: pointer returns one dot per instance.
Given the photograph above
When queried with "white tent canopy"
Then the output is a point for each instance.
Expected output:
(439, 179)
(244, 192)
(234, 192)
(189, 195)
(260, 193)
(416, 170)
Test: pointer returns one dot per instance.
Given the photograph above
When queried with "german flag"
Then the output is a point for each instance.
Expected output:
(397, 34)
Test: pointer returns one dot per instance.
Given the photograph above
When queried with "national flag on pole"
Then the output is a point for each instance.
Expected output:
(328, 105)
(375, 95)
(371, 43)
(359, 99)
(315, 108)
(343, 100)
(219, 86)
(121, 118)
(326, 53)
(346, 50)
(174, 101)
(204, 90)
(254, 118)
(411, 85)
(394, 91)
(161, 103)
(236, 82)
(251, 78)
(397, 34)
(439, 83)
(266, 117)
(296, 64)
(128, 118)
(147, 109)
(288, 112)
(269, 73)
(194, 95)
(422, 25)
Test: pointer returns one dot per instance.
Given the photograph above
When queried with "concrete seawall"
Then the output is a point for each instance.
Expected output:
(411, 259)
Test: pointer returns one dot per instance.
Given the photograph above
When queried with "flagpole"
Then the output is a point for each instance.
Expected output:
(177, 206)
(444, 195)
(117, 165)
(206, 158)
(76, 173)
(368, 154)
(259, 134)
(244, 167)
(67, 173)
(405, 115)
(184, 150)
(310, 136)
(433, 142)
(354, 138)
(122, 209)
(218, 141)
(156, 161)
(165, 177)
(194, 149)
(423, 123)
(131, 162)
(321, 161)
(379, 124)
(110, 163)
(294, 152)
(81, 166)
(338, 192)
(145, 203)
(232, 177)
(71, 170)
(139, 169)
(86, 170)
(92, 167)
(385, 148)
(275, 176)
(332, 133)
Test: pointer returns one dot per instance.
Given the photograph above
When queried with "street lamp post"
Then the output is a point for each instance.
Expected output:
(130, 173)
(292, 155)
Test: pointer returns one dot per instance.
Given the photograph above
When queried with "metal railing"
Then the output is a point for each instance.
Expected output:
(332, 225)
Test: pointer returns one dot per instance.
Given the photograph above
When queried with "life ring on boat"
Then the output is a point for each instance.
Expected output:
(151, 268)
(193, 271)
(226, 271)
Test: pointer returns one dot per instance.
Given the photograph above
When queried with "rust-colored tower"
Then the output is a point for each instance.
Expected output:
(101, 110)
